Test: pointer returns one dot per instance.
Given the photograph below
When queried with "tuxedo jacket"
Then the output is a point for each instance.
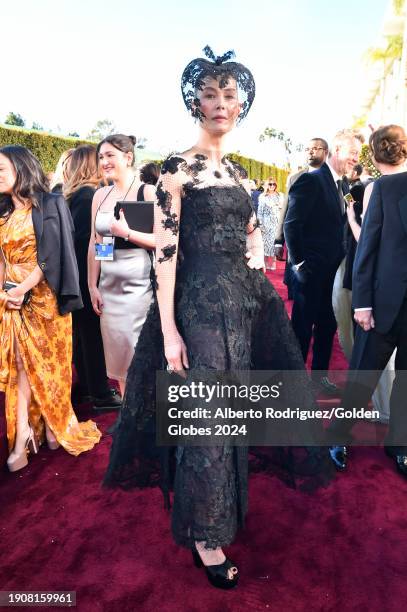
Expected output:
(314, 224)
(279, 239)
(380, 268)
(53, 229)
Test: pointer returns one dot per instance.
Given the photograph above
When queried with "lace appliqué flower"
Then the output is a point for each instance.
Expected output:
(168, 253)
(172, 164)
(198, 166)
(234, 170)
(171, 223)
(164, 198)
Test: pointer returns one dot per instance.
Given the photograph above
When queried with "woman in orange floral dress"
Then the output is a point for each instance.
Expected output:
(37, 256)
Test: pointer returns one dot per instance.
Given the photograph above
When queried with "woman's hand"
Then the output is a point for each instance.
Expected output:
(15, 298)
(96, 299)
(119, 227)
(176, 356)
(255, 262)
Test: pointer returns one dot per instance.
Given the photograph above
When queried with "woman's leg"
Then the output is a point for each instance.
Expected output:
(23, 403)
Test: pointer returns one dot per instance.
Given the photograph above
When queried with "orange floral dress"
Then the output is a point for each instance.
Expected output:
(44, 339)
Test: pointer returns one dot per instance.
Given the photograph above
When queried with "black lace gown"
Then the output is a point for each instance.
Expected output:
(231, 318)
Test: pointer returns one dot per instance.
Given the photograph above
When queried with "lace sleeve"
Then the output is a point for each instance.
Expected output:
(166, 228)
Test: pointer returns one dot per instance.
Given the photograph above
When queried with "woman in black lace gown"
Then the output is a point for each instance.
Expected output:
(217, 311)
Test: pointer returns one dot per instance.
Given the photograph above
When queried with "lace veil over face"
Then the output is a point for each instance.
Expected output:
(221, 69)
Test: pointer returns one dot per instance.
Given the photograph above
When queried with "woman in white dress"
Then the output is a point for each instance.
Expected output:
(268, 214)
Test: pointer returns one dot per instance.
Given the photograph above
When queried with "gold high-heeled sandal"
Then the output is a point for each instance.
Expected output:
(17, 461)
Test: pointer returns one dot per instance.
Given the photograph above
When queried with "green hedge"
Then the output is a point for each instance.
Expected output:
(261, 171)
(46, 147)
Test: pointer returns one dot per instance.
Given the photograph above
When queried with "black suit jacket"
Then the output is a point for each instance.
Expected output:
(380, 268)
(53, 229)
(80, 206)
(314, 223)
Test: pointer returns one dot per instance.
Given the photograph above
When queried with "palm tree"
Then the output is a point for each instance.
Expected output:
(398, 6)
(387, 55)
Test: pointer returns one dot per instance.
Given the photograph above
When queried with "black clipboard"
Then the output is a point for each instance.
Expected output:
(139, 215)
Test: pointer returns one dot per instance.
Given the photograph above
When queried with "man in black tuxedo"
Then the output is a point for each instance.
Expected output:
(380, 302)
(314, 233)
(316, 154)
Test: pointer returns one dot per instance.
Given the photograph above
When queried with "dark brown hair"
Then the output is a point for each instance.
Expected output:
(149, 173)
(30, 178)
(388, 145)
(121, 142)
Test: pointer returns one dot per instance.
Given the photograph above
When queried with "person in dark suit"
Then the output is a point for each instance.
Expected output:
(313, 231)
(342, 290)
(254, 194)
(81, 179)
(316, 152)
(380, 302)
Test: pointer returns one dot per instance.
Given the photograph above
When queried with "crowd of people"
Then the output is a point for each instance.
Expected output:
(80, 284)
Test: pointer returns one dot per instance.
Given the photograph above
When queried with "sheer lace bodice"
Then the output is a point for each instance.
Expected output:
(206, 197)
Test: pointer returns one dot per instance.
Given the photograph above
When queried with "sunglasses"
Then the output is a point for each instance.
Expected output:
(272, 184)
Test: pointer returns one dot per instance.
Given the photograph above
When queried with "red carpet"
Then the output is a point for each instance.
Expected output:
(342, 548)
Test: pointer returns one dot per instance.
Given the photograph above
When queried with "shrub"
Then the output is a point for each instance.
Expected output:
(46, 147)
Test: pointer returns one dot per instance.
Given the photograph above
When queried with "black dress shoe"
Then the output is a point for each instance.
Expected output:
(339, 456)
(112, 401)
(325, 386)
(78, 396)
(401, 460)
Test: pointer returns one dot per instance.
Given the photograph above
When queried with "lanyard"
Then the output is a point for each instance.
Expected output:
(105, 198)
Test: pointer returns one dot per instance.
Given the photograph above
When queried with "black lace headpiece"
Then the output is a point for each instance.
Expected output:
(219, 68)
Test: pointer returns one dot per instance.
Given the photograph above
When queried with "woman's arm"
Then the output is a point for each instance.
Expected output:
(166, 228)
(119, 227)
(366, 197)
(254, 243)
(2, 269)
(353, 224)
(93, 264)
(35, 277)
(16, 294)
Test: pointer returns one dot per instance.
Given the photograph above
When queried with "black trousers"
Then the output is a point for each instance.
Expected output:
(288, 278)
(313, 315)
(370, 355)
(88, 354)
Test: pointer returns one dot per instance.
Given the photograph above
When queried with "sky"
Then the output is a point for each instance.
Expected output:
(68, 63)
